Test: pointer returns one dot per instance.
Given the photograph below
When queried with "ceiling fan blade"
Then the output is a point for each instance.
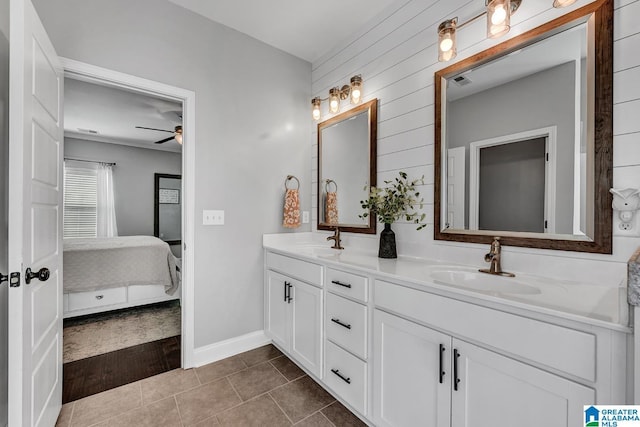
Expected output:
(161, 130)
(165, 140)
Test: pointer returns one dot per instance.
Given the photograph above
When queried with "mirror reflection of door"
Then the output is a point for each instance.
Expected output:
(516, 203)
(168, 208)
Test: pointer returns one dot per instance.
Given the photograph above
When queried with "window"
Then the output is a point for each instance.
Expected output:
(80, 201)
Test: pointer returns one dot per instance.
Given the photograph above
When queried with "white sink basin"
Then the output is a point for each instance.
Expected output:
(483, 282)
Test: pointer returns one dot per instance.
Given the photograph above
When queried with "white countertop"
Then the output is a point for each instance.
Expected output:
(604, 306)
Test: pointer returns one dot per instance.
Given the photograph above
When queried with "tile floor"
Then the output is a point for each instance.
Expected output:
(261, 387)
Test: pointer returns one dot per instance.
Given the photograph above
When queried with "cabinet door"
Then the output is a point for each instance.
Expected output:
(498, 391)
(306, 344)
(407, 388)
(277, 309)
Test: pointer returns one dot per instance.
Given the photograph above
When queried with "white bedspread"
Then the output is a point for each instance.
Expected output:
(112, 262)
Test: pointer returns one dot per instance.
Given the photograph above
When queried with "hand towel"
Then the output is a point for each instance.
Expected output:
(291, 209)
(331, 207)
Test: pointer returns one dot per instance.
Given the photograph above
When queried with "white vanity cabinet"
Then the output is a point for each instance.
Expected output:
(400, 350)
(422, 375)
(294, 310)
(347, 333)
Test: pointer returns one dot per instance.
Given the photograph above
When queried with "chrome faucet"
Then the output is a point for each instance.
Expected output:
(336, 239)
(493, 257)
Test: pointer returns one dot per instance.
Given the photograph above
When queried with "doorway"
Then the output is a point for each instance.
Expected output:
(184, 265)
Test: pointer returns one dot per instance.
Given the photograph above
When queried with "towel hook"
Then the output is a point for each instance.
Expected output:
(289, 178)
(328, 182)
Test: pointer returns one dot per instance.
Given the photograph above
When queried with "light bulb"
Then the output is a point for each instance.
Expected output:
(179, 138)
(446, 44)
(499, 15)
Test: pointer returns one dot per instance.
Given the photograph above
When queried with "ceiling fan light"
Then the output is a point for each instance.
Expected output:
(179, 138)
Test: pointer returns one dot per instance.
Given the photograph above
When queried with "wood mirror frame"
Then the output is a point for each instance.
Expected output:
(371, 107)
(601, 241)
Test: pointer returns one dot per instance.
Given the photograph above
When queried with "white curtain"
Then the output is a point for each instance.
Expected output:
(106, 209)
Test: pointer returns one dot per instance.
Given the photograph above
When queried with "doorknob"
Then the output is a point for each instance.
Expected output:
(42, 275)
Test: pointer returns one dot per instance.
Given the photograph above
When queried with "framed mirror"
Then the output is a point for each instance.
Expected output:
(346, 166)
(524, 138)
(167, 223)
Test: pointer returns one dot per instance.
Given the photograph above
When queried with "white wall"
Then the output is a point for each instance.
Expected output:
(133, 179)
(397, 57)
(252, 105)
(4, 166)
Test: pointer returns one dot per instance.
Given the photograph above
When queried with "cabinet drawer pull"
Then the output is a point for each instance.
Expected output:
(344, 325)
(339, 283)
(456, 380)
(442, 373)
(337, 372)
(99, 297)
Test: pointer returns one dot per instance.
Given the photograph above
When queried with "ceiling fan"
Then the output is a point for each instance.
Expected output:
(177, 134)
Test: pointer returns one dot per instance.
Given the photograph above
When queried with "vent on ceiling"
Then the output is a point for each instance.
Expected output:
(462, 80)
(89, 131)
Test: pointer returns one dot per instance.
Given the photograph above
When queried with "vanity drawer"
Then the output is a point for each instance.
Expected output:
(558, 347)
(100, 298)
(346, 375)
(307, 271)
(348, 284)
(346, 324)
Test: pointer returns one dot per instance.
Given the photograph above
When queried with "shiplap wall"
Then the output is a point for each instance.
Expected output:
(397, 57)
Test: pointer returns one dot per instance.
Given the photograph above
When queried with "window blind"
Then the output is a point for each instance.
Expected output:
(80, 202)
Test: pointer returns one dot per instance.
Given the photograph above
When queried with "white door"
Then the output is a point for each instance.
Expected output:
(456, 175)
(412, 375)
(35, 221)
(497, 391)
(278, 309)
(306, 342)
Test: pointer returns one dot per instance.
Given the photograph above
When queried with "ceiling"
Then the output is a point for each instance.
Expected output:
(113, 113)
(304, 28)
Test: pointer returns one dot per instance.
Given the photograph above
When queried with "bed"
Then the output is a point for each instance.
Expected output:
(117, 272)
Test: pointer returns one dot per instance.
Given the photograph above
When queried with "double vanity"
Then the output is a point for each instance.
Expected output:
(408, 341)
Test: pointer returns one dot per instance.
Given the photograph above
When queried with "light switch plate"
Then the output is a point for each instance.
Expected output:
(305, 217)
(210, 217)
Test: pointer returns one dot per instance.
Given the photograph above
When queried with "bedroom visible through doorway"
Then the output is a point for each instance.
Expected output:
(122, 275)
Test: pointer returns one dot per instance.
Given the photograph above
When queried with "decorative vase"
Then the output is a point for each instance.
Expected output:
(387, 243)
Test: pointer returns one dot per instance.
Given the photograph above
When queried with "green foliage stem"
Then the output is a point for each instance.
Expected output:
(399, 199)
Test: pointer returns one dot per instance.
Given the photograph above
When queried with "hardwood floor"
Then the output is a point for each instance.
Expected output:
(95, 374)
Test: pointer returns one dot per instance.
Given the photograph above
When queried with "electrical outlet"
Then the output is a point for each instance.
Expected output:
(305, 217)
(212, 217)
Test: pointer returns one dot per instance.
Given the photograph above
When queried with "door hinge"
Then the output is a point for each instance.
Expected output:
(547, 156)
(546, 225)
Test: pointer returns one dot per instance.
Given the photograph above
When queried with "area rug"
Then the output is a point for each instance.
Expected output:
(105, 332)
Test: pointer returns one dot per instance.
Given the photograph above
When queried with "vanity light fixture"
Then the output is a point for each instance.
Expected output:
(337, 94)
(498, 18)
(316, 108)
(498, 14)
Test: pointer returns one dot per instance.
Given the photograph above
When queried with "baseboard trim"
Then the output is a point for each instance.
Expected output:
(223, 349)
